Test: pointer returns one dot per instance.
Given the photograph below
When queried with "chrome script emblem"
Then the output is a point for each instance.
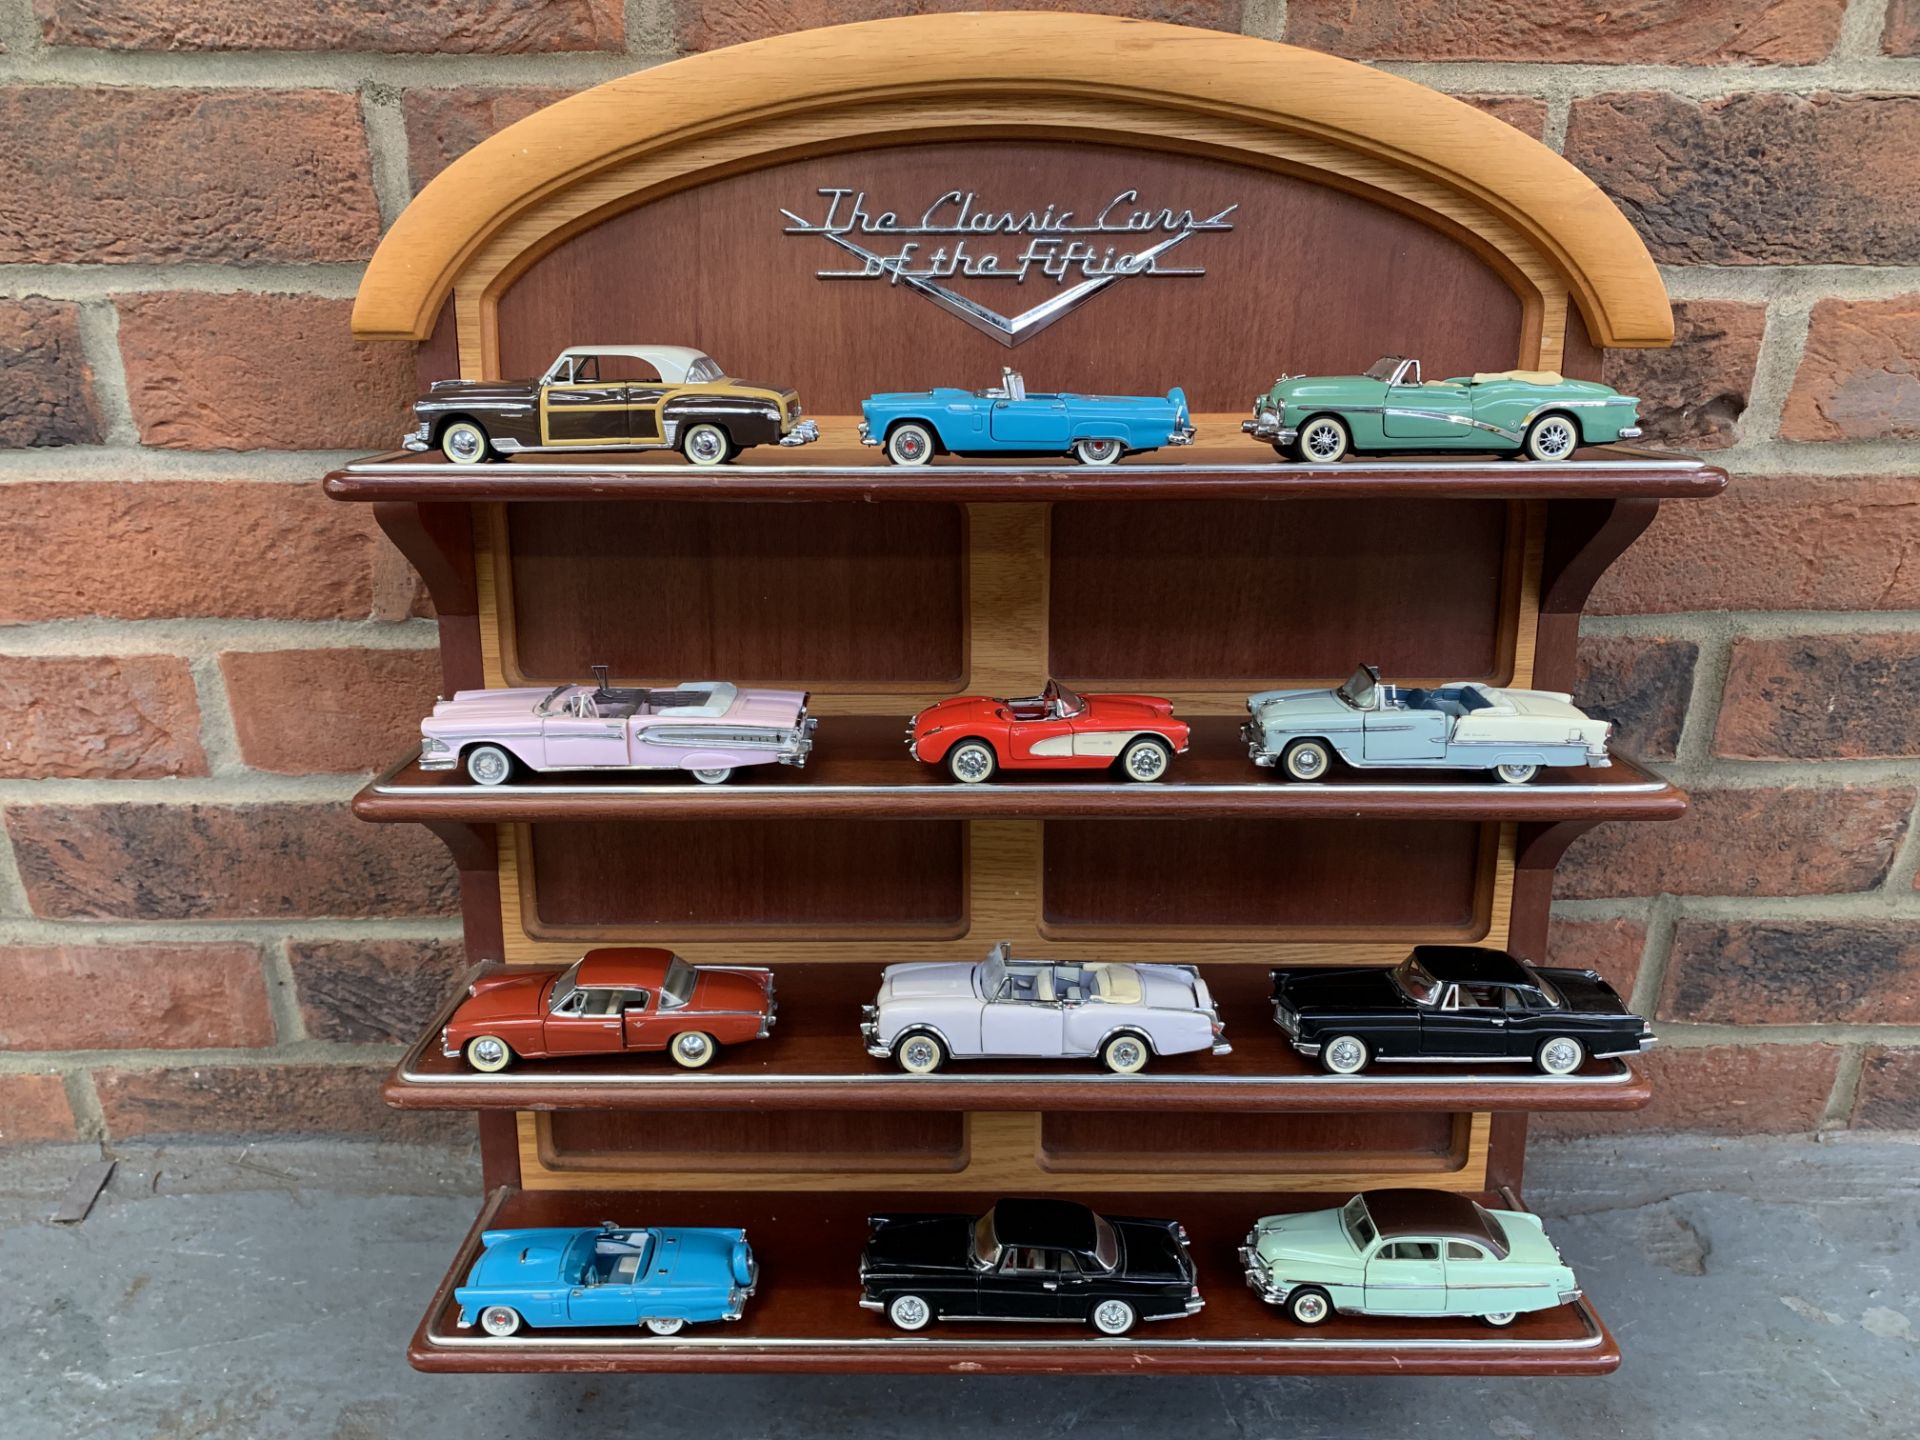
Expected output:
(957, 236)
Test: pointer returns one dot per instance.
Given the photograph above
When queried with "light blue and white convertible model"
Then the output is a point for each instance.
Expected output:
(915, 426)
(1511, 734)
(608, 1277)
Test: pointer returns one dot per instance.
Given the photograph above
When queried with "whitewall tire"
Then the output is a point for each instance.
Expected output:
(1125, 1054)
(693, 1048)
(1322, 440)
(706, 445)
(489, 765)
(1113, 1317)
(500, 1320)
(972, 762)
(489, 1054)
(919, 1053)
(465, 443)
(1550, 438)
(910, 444)
(1097, 452)
(1560, 1055)
(1307, 760)
(909, 1312)
(1145, 760)
(1345, 1055)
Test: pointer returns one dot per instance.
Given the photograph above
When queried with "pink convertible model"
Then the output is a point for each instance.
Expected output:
(709, 729)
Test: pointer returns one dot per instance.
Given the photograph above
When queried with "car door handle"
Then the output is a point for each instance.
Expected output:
(1050, 1285)
(617, 1024)
(1499, 1022)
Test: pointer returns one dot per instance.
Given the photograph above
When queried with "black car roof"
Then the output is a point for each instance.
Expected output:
(1473, 966)
(1433, 1214)
(1047, 1223)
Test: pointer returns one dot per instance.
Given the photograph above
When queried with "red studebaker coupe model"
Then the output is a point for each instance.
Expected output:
(609, 1002)
(975, 736)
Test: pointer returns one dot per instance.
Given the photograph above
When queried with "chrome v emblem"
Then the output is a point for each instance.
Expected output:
(1012, 330)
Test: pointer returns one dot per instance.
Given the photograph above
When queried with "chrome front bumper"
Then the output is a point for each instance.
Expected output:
(1268, 427)
(804, 432)
(419, 438)
(1259, 1279)
(1221, 1047)
(866, 435)
(1257, 747)
(870, 1032)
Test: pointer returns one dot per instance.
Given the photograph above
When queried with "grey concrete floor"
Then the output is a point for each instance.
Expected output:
(1759, 1288)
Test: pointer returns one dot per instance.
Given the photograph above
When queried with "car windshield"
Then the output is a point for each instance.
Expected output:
(1383, 369)
(1357, 1223)
(705, 371)
(568, 982)
(1070, 703)
(1358, 691)
(1413, 978)
(618, 1257)
(677, 988)
(993, 971)
(986, 1244)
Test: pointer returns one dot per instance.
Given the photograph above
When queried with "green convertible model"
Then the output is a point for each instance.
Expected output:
(1537, 413)
(1406, 1252)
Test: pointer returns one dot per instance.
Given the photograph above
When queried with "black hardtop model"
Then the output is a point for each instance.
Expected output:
(1454, 1003)
(1028, 1260)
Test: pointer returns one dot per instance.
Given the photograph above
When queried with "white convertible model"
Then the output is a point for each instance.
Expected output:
(1003, 1008)
(1511, 734)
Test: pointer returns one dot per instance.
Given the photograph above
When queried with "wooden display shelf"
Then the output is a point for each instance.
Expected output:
(860, 769)
(815, 1060)
(822, 473)
(805, 1316)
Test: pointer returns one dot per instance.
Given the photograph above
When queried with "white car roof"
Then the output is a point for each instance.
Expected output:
(672, 361)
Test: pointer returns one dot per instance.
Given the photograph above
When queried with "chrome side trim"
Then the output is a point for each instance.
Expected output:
(377, 466)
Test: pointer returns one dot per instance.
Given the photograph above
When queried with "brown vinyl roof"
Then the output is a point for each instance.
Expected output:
(1435, 1213)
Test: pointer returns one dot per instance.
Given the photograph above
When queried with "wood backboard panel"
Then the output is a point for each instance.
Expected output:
(1251, 590)
(1168, 1141)
(744, 592)
(1309, 279)
(691, 877)
(757, 1140)
(1361, 878)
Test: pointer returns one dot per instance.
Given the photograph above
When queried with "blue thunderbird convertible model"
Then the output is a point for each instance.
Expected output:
(1009, 420)
(659, 1278)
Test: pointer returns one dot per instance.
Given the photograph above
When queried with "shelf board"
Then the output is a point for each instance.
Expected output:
(805, 1317)
(860, 769)
(815, 1060)
(1220, 471)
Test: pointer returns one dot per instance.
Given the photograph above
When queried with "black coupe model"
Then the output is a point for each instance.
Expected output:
(1028, 1260)
(1455, 1003)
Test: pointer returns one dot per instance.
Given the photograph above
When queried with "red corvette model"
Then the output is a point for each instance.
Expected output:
(610, 1002)
(975, 737)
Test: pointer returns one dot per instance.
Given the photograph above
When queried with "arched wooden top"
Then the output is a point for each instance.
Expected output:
(1386, 128)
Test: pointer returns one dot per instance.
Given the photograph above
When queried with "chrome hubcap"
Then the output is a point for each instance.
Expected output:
(1561, 1055)
(1554, 439)
(497, 1322)
(909, 445)
(705, 445)
(1518, 774)
(1346, 1054)
(1307, 763)
(464, 444)
(1310, 1308)
(1126, 1054)
(1147, 762)
(1504, 1317)
(489, 1051)
(1112, 1317)
(693, 1046)
(665, 1327)
(711, 777)
(1323, 441)
(973, 763)
(489, 767)
(919, 1054)
(910, 1312)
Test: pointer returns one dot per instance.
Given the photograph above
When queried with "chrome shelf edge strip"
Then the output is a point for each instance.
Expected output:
(468, 474)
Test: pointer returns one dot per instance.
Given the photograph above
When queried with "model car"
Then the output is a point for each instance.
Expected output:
(609, 1277)
(1455, 1003)
(1417, 1253)
(976, 736)
(1028, 1260)
(1510, 734)
(930, 1012)
(1537, 413)
(915, 426)
(708, 729)
(609, 397)
(610, 1002)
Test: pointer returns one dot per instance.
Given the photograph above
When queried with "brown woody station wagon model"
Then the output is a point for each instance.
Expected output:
(610, 397)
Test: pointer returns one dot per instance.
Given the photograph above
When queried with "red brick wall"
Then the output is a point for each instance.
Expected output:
(190, 191)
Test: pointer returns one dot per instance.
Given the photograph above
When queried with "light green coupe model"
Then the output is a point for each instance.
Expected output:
(1410, 1253)
(1537, 413)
